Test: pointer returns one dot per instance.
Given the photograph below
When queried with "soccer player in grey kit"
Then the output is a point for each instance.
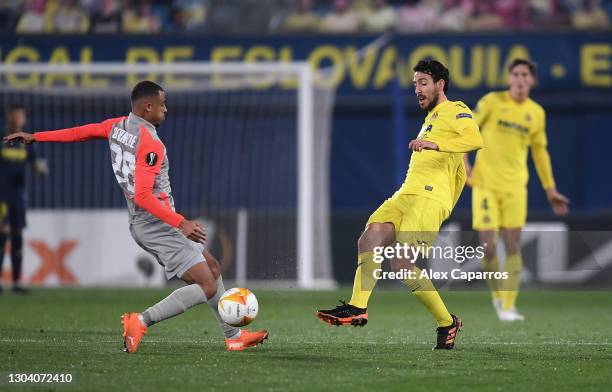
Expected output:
(141, 167)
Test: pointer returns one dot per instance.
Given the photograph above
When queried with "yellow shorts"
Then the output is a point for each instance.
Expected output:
(417, 219)
(492, 209)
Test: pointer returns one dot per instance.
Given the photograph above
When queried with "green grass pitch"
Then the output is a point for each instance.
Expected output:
(565, 344)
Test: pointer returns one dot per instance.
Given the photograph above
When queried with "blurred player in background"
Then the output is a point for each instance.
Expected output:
(13, 201)
(510, 122)
(141, 167)
(413, 215)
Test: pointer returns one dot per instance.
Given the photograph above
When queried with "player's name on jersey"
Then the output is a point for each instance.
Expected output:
(124, 137)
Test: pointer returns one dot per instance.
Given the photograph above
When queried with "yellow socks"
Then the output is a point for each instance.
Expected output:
(422, 288)
(425, 291)
(492, 266)
(514, 265)
(364, 280)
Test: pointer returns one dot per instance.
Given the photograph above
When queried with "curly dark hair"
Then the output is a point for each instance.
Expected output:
(436, 69)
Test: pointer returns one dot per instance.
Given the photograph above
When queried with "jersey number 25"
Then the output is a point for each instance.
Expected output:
(124, 165)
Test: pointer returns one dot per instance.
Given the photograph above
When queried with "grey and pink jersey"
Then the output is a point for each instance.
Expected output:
(139, 162)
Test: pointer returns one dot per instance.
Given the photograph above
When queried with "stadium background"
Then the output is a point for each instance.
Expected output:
(374, 114)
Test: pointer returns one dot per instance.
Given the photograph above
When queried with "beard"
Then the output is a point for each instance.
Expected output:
(433, 103)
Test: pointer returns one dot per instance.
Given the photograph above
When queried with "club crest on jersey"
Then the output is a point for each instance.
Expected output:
(151, 159)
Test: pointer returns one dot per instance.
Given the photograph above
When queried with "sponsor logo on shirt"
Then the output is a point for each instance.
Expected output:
(511, 125)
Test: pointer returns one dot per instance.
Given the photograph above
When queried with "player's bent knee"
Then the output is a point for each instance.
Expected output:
(512, 241)
(511, 251)
(201, 275)
(209, 290)
(370, 239)
(214, 266)
(490, 251)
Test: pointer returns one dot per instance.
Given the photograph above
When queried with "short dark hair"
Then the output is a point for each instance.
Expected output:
(530, 64)
(436, 69)
(15, 106)
(146, 88)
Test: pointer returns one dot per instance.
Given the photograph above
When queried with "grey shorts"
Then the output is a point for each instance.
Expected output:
(175, 252)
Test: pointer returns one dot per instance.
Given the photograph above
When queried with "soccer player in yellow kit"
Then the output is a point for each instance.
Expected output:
(413, 215)
(510, 123)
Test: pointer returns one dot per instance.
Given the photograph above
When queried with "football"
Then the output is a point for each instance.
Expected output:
(238, 306)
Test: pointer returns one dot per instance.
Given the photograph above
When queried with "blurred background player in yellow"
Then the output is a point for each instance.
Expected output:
(14, 161)
(413, 215)
(510, 123)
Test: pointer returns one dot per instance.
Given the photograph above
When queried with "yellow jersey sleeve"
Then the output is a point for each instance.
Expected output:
(539, 153)
(464, 135)
(440, 175)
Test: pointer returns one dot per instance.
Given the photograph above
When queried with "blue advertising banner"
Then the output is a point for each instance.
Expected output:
(476, 63)
(370, 133)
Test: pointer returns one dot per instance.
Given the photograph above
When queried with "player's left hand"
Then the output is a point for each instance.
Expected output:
(23, 137)
(558, 202)
(420, 145)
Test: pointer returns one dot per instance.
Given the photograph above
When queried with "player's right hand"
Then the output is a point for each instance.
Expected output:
(193, 230)
(558, 202)
(23, 137)
(420, 145)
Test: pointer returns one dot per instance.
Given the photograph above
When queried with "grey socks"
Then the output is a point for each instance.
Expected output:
(229, 331)
(176, 303)
(184, 298)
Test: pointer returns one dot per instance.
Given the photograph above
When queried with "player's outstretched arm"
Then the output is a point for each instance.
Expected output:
(77, 134)
(19, 137)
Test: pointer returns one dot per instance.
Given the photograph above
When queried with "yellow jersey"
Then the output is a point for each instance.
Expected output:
(508, 129)
(440, 175)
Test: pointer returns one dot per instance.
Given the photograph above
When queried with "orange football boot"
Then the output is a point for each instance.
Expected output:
(245, 340)
(133, 331)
